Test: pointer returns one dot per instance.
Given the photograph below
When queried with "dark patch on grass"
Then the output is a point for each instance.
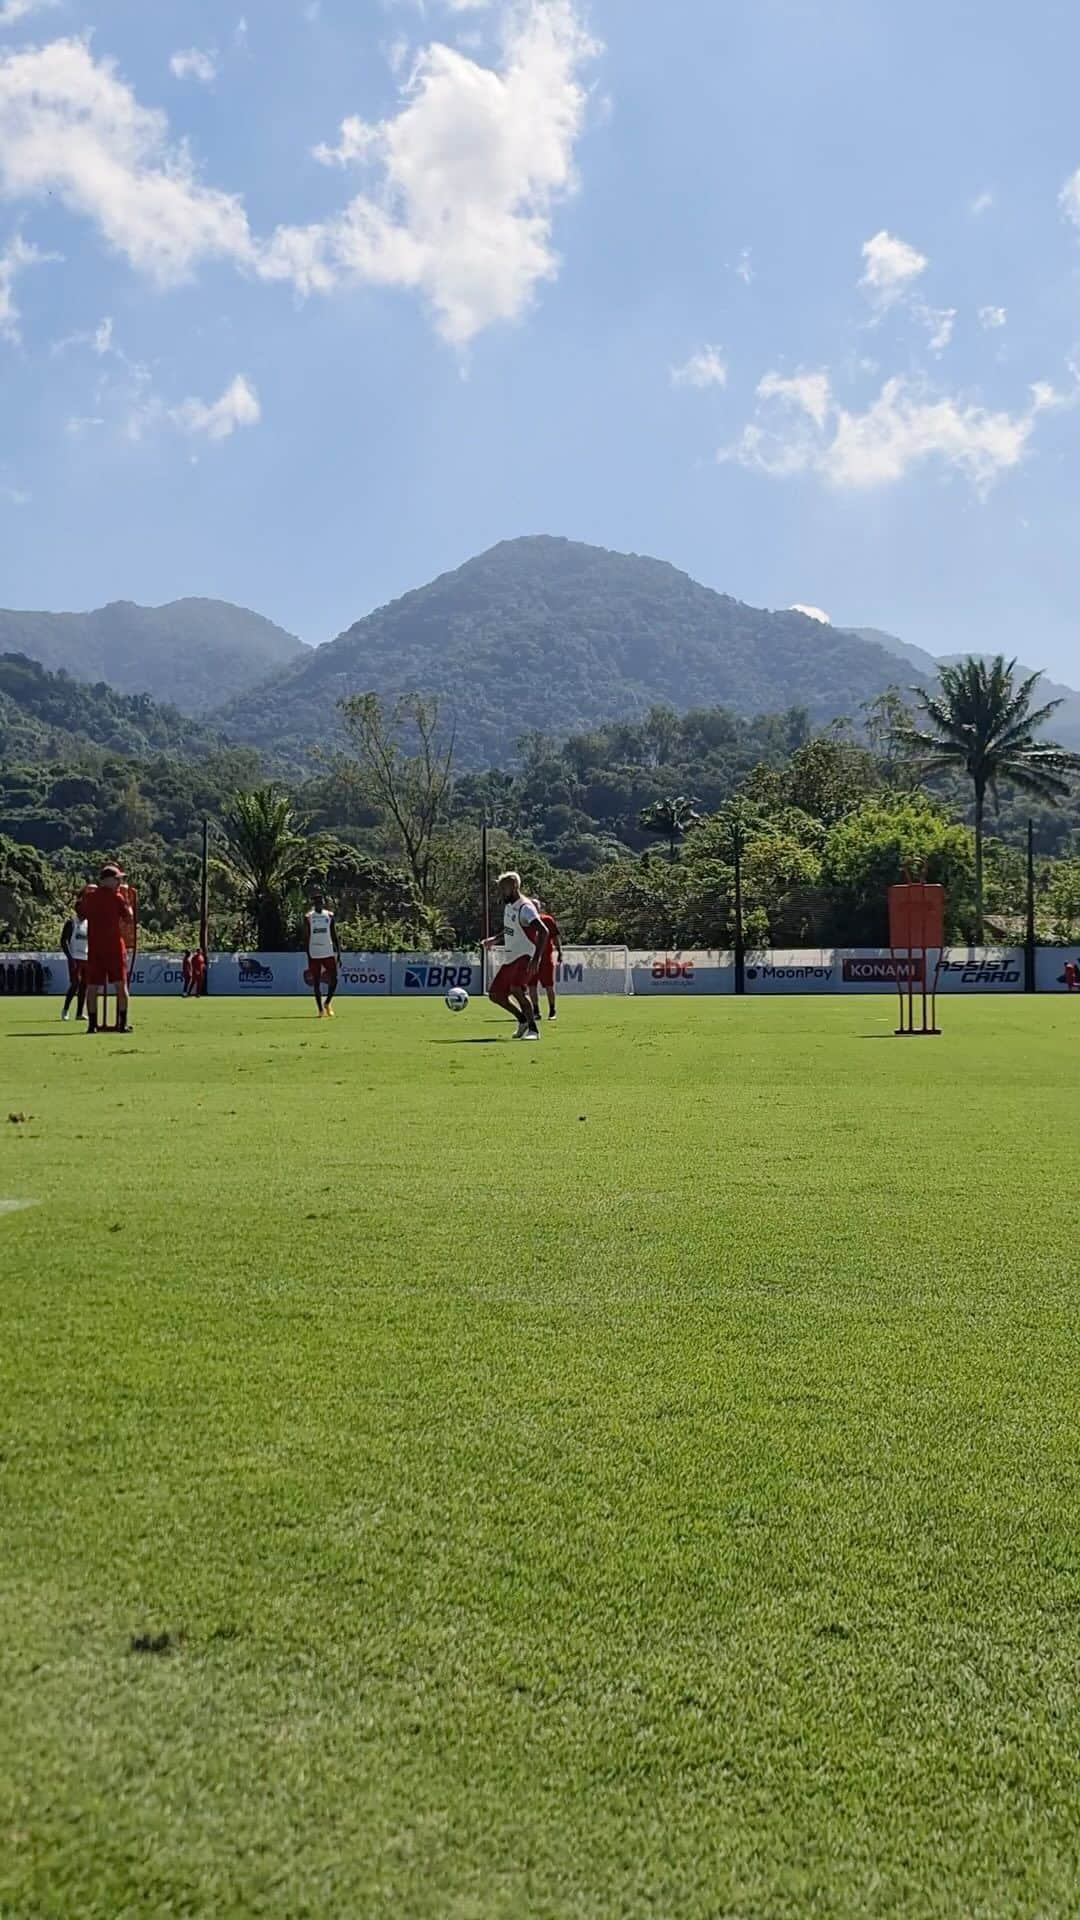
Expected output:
(151, 1643)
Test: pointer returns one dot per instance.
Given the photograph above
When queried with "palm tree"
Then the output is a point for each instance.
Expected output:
(672, 817)
(267, 858)
(982, 724)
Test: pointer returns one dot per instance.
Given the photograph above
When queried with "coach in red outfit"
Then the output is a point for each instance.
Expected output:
(106, 909)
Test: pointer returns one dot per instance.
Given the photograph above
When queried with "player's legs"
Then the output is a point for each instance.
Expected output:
(73, 989)
(331, 987)
(93, 1007)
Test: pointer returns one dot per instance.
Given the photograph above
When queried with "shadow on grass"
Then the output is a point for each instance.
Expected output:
(477, 1040)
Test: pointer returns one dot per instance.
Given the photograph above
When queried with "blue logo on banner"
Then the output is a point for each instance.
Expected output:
(437, 979)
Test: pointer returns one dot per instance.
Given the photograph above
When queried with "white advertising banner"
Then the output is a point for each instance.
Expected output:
(364, 973)
(594, 970)
(158, 973)
(678, 974)
(1050, 965)
(796, 970)
(873, 970)
(255, 976)
(415, 975)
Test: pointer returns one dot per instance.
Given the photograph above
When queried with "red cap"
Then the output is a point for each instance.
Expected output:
(110, 871)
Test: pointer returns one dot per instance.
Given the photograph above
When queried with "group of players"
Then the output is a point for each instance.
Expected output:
(97, 935)
(532, 948)
(531, 943)
(95, 942)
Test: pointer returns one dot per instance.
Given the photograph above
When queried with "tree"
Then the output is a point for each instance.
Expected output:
(28, 899)
(267, 858)
(412, 787)
(869, 850)
(982, 724)
(672, 817)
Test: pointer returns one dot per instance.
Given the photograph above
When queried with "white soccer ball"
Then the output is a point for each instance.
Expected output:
(457, 999)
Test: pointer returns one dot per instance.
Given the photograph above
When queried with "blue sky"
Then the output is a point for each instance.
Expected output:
(305, 301)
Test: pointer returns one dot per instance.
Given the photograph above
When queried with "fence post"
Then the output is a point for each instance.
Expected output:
(740, 944)
(1029, 944)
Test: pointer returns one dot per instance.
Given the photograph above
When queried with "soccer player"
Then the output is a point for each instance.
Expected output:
(549, 960)
(323, 953)
(525, 939)
(185, 974)
(73, 946)
(109, 925)
(198, 973)
(1071, 977)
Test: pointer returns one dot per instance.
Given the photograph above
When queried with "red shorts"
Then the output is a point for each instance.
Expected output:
(322, 969)
(107, 968)
(547, 971)
(76, 973)
(511, 978)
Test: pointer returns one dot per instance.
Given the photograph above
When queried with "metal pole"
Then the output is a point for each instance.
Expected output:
(1029, 944)
(740, 944)
(204, 903)
(485, 899)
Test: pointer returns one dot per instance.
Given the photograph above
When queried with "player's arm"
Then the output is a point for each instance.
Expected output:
(538, 934)
(334, 936)
(307, 935)
(66, 932)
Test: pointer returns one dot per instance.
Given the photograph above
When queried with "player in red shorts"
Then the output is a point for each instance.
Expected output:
(525, 939)
(549, 960)
(323, 954)
(110, 924)
(73, 941)
(198, 973)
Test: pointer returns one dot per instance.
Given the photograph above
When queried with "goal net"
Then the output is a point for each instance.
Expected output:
(581, 969)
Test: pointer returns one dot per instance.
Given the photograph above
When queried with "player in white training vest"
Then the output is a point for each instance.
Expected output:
(75, 946)
(524, 939)
(323, 953)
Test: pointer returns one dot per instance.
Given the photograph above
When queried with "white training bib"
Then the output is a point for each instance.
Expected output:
(321, 935)
(79, 941)
(518, 916)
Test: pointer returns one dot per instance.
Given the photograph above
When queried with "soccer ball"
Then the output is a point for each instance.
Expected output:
(457, 999)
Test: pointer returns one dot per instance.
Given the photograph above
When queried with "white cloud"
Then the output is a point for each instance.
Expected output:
(992, 318)
(191, 63)
(982, 203)
(1069, 198)
(705, 368)
(471, 167)
(100, 341)
(743, 269)
(939, 323)
(238, 406)
(467, 174)
(12, 11)
(904, 427)
(15, 496)
(240, 32)
(358, 140)
(812, 613)
(70, 126)
(891, 267)
(808, 392)
(16, 257)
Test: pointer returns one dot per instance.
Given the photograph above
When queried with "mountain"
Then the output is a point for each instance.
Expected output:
(549, 634)
(192, 654)
(1064, 727)
(52, 716)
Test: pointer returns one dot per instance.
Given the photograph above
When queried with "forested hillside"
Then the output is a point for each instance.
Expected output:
(193, 654)
(552, 635)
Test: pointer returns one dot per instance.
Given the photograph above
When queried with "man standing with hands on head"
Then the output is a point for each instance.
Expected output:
(525, 939)
(110, 925)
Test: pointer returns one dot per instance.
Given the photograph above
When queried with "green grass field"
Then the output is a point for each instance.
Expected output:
(630, 1476)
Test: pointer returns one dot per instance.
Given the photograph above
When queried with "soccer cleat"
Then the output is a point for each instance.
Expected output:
(531, 1033)
(65, 1013)
(521, 1030)
(329, 1012)
(554, 1014)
